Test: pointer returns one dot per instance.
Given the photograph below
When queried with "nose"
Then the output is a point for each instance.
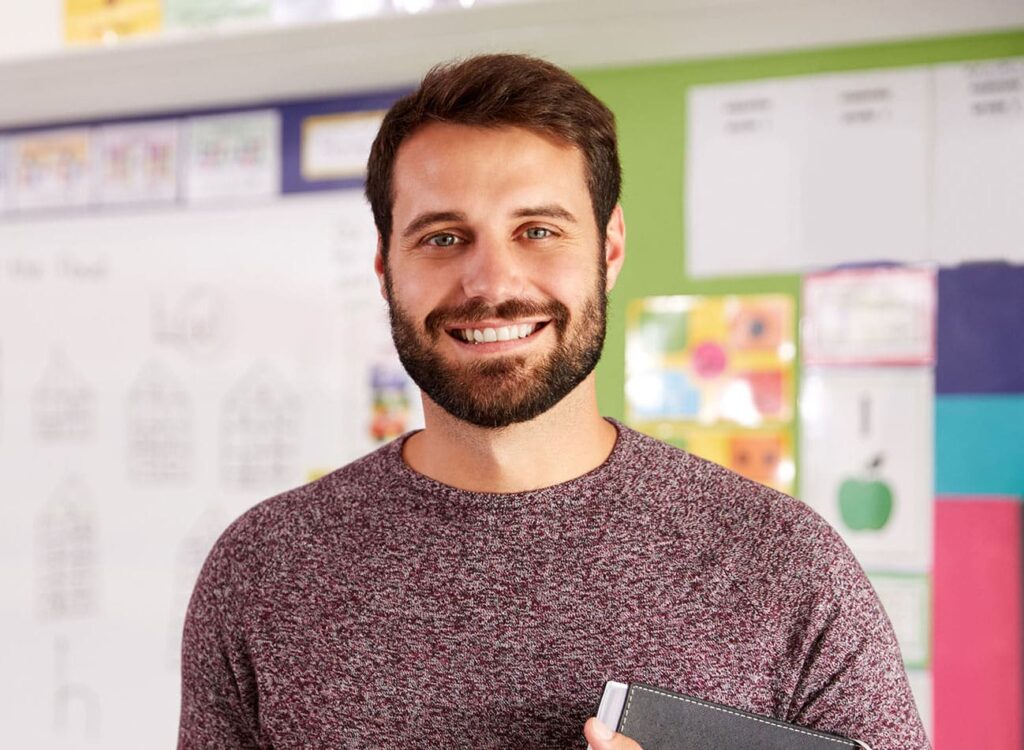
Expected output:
(493, 270)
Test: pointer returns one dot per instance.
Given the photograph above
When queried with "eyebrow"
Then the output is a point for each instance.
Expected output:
(421, 222)
(551, 211)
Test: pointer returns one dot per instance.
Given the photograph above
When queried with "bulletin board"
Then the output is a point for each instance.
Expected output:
(651, 109)
(189, 324)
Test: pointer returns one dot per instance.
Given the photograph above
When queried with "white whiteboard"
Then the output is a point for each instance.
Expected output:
(160, 373)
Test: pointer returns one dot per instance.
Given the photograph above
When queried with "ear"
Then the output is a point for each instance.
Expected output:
(615, 245)
(378, 267)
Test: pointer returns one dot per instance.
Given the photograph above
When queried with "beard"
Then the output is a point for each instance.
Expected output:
(498, 391)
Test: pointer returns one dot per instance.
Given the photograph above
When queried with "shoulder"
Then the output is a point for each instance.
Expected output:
(733, 516)
(281, 526)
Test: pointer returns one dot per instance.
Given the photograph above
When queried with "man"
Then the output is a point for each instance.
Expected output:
(475, 583)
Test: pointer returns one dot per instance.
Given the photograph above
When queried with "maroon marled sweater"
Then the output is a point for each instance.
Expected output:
(377, 608)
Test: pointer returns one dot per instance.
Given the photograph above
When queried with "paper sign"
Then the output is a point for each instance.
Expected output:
(979, 329)
(103, 20)
(233, 156)
(52, 169)
(907, 600)
(137, 164)
(710, 359)
(867, 168)
(977, 665)
(5, 176)
(979, 147)
(193, 13)
(337, 146)
(746, 153)
(978, 441)
(869, 316)
(866, 460)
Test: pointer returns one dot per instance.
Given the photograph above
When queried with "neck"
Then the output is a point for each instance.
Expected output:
(565, 442)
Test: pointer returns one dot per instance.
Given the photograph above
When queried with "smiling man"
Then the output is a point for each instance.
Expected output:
(473, 584)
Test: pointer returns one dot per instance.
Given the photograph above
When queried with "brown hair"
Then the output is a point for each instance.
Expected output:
(497, 90)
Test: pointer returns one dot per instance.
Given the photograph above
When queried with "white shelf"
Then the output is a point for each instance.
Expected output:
(261, 63)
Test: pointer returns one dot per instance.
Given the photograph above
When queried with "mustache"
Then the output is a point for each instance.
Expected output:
(477, 309)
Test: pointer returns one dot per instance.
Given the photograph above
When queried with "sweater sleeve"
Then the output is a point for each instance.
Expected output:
(852, 680)
(218, 683)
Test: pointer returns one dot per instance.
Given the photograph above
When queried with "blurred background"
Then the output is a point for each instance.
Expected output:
(824, 291)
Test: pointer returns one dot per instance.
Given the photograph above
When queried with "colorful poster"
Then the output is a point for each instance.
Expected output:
(979, 147)
(233, 156)
(867, 460)
(337, 146)
(196, 13)
(137, 164)
(907, 599)
(52, 169)
(883, 315)
(715, 376)
(87, 21)
(710, 359)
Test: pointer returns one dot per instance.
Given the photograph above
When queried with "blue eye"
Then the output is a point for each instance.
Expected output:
(537, 233)
(443, 240)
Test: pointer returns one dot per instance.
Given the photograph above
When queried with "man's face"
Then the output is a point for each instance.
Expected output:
(496, 274)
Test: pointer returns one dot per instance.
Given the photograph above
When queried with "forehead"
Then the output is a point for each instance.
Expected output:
(445, 162)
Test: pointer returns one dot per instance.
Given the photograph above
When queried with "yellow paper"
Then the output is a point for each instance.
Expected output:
(91, 21)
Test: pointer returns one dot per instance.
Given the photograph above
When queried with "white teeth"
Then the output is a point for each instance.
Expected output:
(504, 333)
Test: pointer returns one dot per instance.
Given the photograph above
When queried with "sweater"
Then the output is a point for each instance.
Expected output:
(378, 608)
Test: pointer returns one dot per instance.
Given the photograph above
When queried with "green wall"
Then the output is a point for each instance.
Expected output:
(650, 105)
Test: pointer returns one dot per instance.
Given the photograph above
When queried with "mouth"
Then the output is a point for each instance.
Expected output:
(509, 333)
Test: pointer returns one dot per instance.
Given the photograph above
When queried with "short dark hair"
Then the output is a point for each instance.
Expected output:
(495, 91)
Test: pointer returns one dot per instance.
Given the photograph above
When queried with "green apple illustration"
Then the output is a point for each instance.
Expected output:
(865, 502)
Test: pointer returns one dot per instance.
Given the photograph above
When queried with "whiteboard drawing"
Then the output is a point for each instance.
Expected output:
(66, 569)
(160, 447)
(259, 430)
(76, 706)
(64, 404)
(196, 321)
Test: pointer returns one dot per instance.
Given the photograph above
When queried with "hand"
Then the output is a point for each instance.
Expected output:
(601, 737)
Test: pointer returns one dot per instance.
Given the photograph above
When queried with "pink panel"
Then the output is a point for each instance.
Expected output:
(977, 653)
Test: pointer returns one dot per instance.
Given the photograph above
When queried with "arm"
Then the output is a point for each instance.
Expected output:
(218, 684)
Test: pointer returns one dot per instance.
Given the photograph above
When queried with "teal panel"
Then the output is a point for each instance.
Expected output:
(979, 445)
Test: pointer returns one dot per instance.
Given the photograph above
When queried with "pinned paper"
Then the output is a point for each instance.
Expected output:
(979, 147)
(52, 169)
(907, 599)
(88, 21)
(137, 164)
(981, 316)
(337, 146)
(710, 359)
(5, 176)
(193, 13)
(882, 315)
(978, 441)
(233, 156)
(866, 460)
(766, 456)
(977, 665)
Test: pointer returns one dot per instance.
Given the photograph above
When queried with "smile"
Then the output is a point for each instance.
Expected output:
(487, 335)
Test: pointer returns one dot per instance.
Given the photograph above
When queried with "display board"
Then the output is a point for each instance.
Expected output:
(186, 329)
